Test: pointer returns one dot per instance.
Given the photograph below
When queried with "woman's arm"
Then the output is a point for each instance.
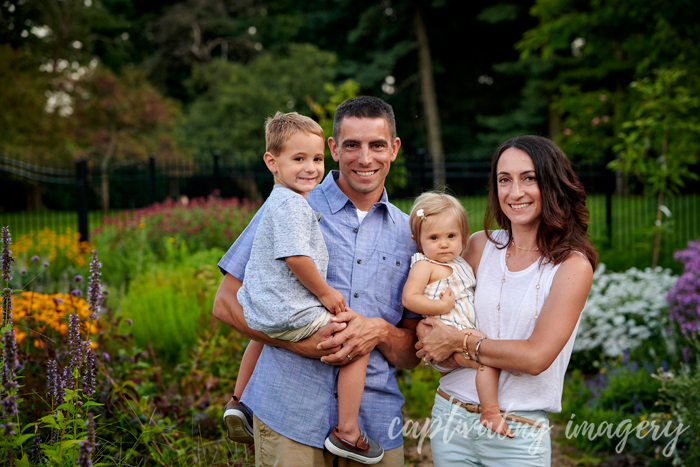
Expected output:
(413, 297)
(554, 327)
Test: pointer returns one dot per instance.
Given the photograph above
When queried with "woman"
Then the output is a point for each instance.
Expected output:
(532, 281)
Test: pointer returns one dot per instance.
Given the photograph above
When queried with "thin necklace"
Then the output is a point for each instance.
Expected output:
(500, 294)
(524, 249)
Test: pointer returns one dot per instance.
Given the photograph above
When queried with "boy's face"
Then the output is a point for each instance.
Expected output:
(299, 166)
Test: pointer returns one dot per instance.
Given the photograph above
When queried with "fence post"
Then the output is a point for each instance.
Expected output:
(609, 189)
(216, 155)
(152, 176)
(81, 197)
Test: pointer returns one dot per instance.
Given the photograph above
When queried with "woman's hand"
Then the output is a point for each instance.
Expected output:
(438, 341)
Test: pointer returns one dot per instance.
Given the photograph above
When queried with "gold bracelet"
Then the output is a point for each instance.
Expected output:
(465, 349)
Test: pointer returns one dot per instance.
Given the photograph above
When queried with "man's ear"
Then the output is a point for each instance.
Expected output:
(333, 146)
(270, 162)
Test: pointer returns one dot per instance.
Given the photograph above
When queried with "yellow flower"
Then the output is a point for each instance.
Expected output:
(171, 239)
(602, 370)
(643, 417)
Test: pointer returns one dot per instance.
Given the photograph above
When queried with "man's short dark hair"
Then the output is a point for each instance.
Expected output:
(364, 107)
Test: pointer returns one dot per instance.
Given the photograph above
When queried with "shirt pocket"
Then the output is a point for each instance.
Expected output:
(391, 277)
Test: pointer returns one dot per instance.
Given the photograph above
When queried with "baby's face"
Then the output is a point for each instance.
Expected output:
(299, 166)
(441, 237)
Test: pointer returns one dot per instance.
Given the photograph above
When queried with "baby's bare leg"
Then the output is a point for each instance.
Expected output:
(351, 385)
(487, 388)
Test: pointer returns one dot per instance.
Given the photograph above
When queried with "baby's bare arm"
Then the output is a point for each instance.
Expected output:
(413, 298)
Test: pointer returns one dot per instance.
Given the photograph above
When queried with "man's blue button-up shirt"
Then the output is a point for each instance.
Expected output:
(368, 264)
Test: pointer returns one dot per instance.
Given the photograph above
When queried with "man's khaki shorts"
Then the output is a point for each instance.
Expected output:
(274, 450)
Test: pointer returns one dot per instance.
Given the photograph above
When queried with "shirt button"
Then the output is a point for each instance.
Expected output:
(398, 263)
(355, 229)
(359, 261)
(357, 294)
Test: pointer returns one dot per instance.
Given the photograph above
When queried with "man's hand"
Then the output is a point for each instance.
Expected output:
(361, 335)
(310, 348)
(333, 301)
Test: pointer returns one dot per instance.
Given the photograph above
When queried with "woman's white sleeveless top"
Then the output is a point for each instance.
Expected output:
(518, 298)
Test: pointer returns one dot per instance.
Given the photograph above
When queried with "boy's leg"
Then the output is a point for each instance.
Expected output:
(351, 386)
(487, 388)
(238, 419)
(347, 440)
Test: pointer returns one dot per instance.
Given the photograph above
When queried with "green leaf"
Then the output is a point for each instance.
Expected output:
(21, 439)
(50, 422)
(23, 462)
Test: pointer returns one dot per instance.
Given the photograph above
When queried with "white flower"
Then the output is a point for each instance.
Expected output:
(624, 309)
(420, 213)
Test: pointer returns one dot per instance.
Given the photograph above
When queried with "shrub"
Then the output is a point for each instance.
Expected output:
(624, 310)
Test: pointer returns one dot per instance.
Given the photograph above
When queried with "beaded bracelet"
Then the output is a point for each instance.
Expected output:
(465, 350)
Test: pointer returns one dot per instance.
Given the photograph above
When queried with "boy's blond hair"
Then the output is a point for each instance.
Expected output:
(281, 127)
(434, 202)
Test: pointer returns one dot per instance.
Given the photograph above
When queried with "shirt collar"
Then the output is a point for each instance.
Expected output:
(337, 199)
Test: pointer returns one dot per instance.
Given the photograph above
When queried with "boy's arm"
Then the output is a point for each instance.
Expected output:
(413, 297)
(305, 270)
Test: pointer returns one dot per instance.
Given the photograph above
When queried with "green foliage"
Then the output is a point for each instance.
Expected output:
(233, 99)
(680, 393)
(170, 302)
(661, 140)
(418, 387)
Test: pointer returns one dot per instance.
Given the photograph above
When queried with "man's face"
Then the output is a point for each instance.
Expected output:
(364, 151)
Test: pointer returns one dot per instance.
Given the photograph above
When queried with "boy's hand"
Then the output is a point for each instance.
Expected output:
(448, 298)
(333, 301)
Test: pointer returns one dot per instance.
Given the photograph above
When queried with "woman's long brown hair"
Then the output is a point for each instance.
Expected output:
(564, 223)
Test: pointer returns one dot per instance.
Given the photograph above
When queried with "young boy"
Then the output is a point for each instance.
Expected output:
(284, 292)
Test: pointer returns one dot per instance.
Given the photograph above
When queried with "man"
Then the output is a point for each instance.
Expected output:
(293, 390)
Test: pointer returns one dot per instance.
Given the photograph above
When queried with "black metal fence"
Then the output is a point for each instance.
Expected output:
(34, 197)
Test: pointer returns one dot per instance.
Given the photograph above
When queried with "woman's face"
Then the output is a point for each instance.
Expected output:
(518, 191)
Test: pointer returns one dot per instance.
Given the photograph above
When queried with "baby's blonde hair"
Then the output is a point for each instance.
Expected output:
(434, 202)
(281, 127)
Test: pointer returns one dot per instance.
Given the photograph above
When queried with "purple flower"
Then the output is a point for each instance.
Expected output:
(10, 359)
(635, 365)
(46, 264)
(58, 300)
(7, 258)
(106, 356)
(78, 278)
(637, 406)
(95, 289)
(51, 372)
(664, 365)
(35, 258)
(92, 316)
(75, 347)
(89, 372)
(23, 272)
(129, 322)
(6, 306)
(85, 453)
(626, 355)
(686, 354)
(76, 292)
(37, 456)
(684, 296)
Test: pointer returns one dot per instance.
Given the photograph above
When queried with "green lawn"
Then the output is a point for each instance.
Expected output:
(632, 226)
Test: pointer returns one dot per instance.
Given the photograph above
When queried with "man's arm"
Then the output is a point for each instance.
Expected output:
(228, 310)
(396, 343)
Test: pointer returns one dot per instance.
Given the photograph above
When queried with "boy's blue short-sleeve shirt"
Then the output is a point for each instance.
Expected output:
(273, 299)
(368, 264)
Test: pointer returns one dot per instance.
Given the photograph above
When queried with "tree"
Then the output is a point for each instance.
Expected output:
(234, 99)
(662, 139)
(121, 117)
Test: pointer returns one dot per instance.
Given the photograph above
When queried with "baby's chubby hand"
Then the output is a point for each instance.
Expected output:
(333, 301)
(448, 298)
